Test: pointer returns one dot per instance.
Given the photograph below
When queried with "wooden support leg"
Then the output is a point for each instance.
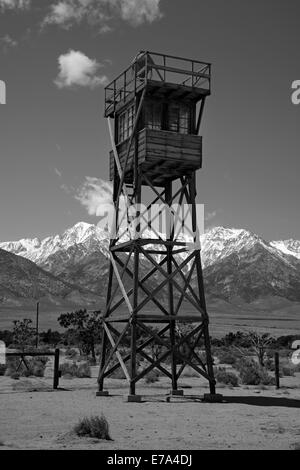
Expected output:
(102, 362)
(56, 369)
(170, 229)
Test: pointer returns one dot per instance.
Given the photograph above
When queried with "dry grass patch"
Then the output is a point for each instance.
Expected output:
(95, 426)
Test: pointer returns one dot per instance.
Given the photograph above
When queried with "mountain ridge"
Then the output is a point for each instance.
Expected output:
(238, 264)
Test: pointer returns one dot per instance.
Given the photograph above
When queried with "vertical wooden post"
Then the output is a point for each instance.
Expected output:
(170, 237)
(56, 369)
(133, 365)
(104, 335)
(37, 325)
(209, 358)
(277, 379)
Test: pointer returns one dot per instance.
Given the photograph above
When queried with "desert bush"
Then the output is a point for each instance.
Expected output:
(95, 426)
(228, 356)
(225, 377)
(265, 378)
(118, 374)
(15, 375)
(270, 364)
(82, 370)
(249, 372)
(71, 353)
(91, 361)
(297, 368)
(152, 377)
(288, 371)
(252, 374)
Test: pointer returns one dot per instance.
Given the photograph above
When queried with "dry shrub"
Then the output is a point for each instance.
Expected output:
(288, 371)
(81, 371)
(228, 356)
(224, 377)
(118, 374)
(95, 426)
(253, 374)
(71, 353)
(152, 377)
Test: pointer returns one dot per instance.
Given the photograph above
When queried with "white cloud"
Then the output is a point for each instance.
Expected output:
(76, 69)
(7, 42)
(140, 11)
(96, 196)
(66, 13)
(57, 172)
(210, 215)
(15, 4)
(62, 13)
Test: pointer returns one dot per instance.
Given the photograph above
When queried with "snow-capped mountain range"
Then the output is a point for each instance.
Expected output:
(288, 247)
(41, 251)
(237, 263)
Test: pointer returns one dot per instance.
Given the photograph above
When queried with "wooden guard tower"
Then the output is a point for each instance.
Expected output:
(154, 111)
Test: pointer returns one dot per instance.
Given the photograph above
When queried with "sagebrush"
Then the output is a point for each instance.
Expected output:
(81, 370)
(95, 426)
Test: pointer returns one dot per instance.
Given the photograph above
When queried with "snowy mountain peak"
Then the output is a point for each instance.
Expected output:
(220, 242)
(288, 247)
(39, 251)
(79, 232)
(21, 246)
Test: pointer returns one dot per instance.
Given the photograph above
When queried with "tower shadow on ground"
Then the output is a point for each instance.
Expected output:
(263, 401)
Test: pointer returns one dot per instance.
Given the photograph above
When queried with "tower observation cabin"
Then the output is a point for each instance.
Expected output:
(155, 277)
(168, 125)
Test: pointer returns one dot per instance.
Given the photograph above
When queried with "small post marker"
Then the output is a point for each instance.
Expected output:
(133, 399)
(103, 393)
(277, 379)
(56, 370)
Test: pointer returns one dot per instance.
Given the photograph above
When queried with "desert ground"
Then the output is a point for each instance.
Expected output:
(33, 416)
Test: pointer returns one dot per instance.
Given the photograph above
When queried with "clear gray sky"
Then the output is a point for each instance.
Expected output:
(53, 134)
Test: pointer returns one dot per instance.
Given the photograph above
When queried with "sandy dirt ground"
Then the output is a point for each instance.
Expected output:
(33, 416)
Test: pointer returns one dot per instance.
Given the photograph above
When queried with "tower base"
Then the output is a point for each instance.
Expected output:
(133, 399)
(213, 398)
(104, 393)
(176, 393)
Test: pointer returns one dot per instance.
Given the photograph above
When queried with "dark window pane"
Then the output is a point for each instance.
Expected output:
(126, 121)
(153, 115)
(178, 118)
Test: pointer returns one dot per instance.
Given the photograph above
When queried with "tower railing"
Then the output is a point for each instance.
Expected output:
(160, 68)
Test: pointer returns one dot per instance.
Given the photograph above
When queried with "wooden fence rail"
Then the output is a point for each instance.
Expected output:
(55, 353)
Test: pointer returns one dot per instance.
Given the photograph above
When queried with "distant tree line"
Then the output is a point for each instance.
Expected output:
(83, 330)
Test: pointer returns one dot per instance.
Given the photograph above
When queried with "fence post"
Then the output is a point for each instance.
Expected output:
(56, 369)
(277, 370)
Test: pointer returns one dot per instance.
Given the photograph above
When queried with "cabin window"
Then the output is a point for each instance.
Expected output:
(179, 118)
(125, 125)
(153, 115)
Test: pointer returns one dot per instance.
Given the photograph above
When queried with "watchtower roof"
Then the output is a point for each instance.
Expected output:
(164, 76)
